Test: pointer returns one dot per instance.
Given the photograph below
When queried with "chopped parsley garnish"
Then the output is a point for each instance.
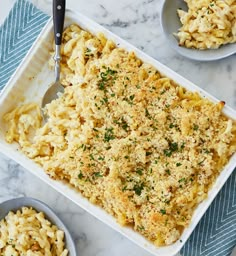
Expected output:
(182, 180)
(139, 171)
(163, 211)
(131, 97)
(195, 127)
(167, 171)
(124, 188)
(148, 153)
(140, 228)
(80, 176)
(105, 100)
(167, 152)
(122, 123)
(98, 174)
(88, 52)
(101, 85)
(138, 188)
(109, 135)
(106, 76)
(178, 164)
(206, 151)
(147, 114)
(200, 163)
(83, 147)
(97, 106)
(167, 201)
(173, 147)
(125, 126)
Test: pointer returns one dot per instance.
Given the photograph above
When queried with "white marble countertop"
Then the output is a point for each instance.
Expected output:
(138, 22)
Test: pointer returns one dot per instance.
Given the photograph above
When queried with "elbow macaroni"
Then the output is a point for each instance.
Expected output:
(128, 138)
(207, 24)
(28, 233)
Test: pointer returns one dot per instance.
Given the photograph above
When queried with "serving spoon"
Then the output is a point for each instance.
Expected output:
(58, 22)
(170, 23)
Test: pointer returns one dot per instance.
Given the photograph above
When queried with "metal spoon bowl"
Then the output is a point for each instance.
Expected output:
(52, 93)
(170, 23)
(55, 89)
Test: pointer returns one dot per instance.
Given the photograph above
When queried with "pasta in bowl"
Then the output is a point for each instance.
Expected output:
(128, 138)
(207, 24)
(200, 35)
(29, 227)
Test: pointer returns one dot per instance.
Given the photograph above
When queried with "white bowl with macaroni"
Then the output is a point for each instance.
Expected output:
(192, 32)
(28, 225)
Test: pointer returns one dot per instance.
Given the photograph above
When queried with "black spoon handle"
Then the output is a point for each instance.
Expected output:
(59, 7)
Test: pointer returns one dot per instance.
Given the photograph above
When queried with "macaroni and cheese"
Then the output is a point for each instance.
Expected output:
(28, 232)
(128, 138)
(207, 24)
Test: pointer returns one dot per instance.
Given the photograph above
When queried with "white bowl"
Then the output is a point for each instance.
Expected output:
(17, 203)
(170, 23)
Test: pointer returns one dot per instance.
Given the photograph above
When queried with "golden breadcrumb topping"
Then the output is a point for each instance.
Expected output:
(128, 138)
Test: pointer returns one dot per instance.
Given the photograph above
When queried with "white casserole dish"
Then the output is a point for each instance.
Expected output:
(29, 83)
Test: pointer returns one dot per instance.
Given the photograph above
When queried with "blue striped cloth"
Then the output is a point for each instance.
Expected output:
(215, 235)
(17, 35)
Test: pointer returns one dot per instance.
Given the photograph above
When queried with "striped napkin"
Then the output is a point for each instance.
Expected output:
(17, 35)
(215, 235)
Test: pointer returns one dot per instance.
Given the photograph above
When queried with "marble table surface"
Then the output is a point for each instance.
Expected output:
(137, 21)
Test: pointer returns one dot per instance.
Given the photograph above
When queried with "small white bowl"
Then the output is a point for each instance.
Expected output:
(17, 203)
(170, 23)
